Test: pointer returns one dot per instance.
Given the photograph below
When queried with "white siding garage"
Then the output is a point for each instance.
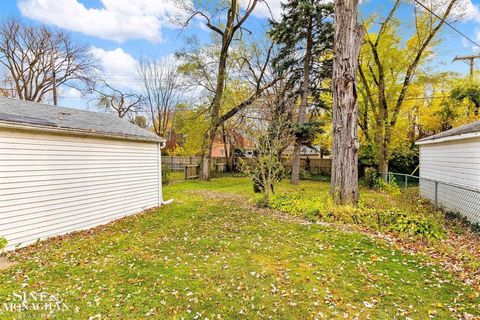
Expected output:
(59, 176)
(450, 164)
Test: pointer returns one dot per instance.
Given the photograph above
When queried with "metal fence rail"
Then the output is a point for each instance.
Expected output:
(450, 197)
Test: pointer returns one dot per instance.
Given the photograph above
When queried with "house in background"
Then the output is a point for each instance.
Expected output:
(450, 170)
(63, 170)
(239, 143)
(219, 148)
(313, 152)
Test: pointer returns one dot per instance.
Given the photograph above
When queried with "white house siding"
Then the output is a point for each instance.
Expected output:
(454, 164)
(55, 184)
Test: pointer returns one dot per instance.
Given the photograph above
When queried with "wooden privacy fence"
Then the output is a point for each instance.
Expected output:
(190, 165)
(178, 163)
(312, 166)
(191, 171)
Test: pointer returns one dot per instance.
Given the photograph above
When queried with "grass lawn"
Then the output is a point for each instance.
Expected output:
(210, 254)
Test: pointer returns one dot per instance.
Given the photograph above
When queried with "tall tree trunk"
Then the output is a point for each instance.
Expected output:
(348, 39)
(380, 141)
(303, 105)
(207, 154)
(227, 37)
(227, 150)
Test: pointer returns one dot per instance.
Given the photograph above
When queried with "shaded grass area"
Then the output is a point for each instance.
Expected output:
(213, 257)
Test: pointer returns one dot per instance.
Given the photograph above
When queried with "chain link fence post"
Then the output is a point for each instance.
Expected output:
(436, 196)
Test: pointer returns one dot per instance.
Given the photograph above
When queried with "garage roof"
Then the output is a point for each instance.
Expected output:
(37, 115)
(466, 131)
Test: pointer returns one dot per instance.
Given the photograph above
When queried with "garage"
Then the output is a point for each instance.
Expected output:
(64, 170)
(450, 170)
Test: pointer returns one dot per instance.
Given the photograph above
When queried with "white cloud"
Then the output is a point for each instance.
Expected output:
(270, 8)
(462, 10)
(117, 20)
(70, 93)
(471, 10)
(273, 8)
(118, 67)
(115, 62)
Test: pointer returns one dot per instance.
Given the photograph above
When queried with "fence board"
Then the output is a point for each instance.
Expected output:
(313, 166)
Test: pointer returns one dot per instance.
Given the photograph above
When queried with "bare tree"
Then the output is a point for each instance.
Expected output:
(39, 60)
(348, 39)
(273, 135)
(162, 92)
(230, 27)
(124, 104)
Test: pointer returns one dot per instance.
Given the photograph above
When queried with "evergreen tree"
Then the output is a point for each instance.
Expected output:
(304, 35)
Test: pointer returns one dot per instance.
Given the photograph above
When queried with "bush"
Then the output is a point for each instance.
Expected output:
(395, 220)
(3, 243)
(373, 180)
(415, 224)
(405, 160)
(391, 187)
(297, 205)
(260, 202)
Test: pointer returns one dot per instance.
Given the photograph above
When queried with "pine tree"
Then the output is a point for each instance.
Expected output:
(305, 38)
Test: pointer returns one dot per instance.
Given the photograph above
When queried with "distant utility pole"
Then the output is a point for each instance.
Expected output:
(54, 80)
(471, 61)
(52, 66)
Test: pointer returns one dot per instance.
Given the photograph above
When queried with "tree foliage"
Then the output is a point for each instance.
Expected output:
(388, 66)
(303, 19)
(304, 35)
(468, 91)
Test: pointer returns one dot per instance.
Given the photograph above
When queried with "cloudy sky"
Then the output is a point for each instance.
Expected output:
(120, 32)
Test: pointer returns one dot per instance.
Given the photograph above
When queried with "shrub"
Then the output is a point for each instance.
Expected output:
(297, 205)
(414, 224)
(260, 202)
(3, 243)
(391, 187)
(404, 160)
(373, 180)
(395, 220)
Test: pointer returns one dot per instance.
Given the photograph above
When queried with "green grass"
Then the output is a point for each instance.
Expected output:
(211, 255)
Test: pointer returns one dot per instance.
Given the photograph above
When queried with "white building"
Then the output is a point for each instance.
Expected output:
(63, 170)
(450, 168)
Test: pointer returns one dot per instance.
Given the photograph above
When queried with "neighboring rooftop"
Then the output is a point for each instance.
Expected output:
(32, 114)
(469, 129)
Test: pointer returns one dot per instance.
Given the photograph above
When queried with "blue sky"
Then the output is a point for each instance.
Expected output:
(122, 31)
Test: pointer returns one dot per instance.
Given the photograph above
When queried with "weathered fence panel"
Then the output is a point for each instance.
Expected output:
(313, 166)
(191, 171)
(178, 163)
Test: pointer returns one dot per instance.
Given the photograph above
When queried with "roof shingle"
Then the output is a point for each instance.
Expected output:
(465, 129)
(33, 114)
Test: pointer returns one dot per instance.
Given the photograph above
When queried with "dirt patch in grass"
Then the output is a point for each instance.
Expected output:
(5, 263)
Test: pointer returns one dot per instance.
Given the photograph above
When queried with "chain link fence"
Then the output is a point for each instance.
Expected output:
(448, 197)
